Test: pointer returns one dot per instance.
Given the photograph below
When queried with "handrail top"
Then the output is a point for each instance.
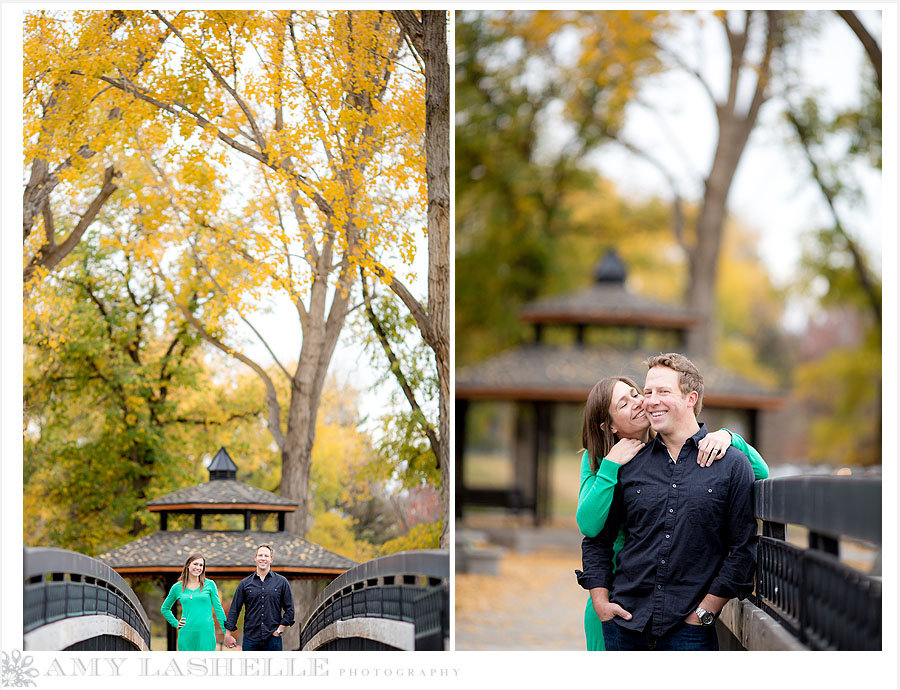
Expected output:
(40, 560)
(829, 505)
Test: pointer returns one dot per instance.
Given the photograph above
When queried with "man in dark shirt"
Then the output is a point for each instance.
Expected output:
(270, 606)
(689, 531)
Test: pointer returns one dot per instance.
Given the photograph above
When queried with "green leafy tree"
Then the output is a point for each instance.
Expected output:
(111, 403)
(841, 385)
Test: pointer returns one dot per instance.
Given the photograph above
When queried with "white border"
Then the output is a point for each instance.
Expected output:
(435, 669)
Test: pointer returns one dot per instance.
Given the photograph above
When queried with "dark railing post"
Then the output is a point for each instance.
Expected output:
(824, 543)
(543, 414)
(462, 409)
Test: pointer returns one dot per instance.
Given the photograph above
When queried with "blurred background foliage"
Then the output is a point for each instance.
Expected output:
(538, 92)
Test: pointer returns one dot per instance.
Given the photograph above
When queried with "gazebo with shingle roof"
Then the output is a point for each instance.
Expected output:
(229, 553)
(539, 376)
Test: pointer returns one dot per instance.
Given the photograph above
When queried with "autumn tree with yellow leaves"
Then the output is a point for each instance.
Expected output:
(257, 154)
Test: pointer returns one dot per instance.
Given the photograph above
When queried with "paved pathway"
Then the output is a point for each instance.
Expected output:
(534, 603)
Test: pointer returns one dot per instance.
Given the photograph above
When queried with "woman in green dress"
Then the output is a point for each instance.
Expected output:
(615, 428)
(198, 597)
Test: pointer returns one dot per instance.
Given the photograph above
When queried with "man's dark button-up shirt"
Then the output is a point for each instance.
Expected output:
(689, 531)
(265, 601)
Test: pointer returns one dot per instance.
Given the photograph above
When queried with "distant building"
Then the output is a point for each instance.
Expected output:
(579, 338)
(229, 553)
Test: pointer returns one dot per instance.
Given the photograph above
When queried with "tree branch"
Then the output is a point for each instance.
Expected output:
(411, 25)
(182, 110)
(687, 68)
(274, 418)
(859, 263)
(234, 306)
(764, 72)
(396, 369)
(677, 212)
(207, 422)
(415, 308)
(873, 50)
(48, 256)
(257, 134)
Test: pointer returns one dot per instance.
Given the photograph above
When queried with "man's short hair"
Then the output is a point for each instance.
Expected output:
(267, 546)
(689, 377)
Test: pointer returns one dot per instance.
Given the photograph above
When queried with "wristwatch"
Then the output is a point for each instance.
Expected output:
(706, 617)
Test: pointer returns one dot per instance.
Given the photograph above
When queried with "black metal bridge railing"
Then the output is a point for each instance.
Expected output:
(61, 584)
(394, 602)
(824, 603)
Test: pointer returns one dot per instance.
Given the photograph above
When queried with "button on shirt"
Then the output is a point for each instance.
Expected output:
(265, 601)
(689, 531)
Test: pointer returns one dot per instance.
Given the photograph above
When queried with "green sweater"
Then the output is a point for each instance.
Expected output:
(596, 493)
(198, 634)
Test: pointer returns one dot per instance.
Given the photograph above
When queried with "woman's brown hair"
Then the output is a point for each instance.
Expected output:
(183, 578)
(596, 436)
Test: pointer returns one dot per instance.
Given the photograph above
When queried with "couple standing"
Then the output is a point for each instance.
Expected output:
(265, 594)
(666, 510)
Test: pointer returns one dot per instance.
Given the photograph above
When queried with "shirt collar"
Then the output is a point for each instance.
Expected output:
(701, 432)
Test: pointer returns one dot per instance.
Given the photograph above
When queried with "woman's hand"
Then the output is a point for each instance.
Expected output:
(624, 450)
(182, 622)
(712, 447)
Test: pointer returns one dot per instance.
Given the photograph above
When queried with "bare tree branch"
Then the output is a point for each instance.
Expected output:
(234, 306)
(859, 262)
(397, 370)
(48, 256)
(415, 308)
(873, 50)
(677, 205)
(274, 418)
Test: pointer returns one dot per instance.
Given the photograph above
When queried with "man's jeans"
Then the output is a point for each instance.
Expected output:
(270, 644)
(683, 637)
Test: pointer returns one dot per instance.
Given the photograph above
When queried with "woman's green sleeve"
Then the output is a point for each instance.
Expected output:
(166, 607)
(217, 604)
(595, 495)
(760, 468)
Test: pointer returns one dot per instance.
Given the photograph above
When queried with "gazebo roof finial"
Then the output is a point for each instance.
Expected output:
(610, 269)
(222, 466)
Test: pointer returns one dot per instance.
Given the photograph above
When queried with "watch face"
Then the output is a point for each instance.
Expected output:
(707, 618)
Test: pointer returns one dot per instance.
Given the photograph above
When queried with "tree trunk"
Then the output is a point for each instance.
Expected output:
(437, 173)
(703, 258)
(321, 330)
(734, 131)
